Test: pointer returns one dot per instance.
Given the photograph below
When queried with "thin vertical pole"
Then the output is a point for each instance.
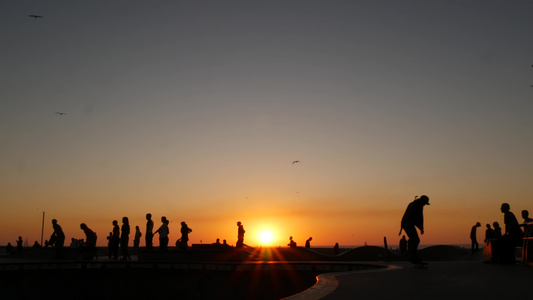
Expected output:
(42, 231)
(386, 248)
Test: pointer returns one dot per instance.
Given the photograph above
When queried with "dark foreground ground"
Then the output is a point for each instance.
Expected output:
(153, 284)
(198, 274)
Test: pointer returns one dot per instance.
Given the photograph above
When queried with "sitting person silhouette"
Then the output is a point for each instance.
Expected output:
(291, 243)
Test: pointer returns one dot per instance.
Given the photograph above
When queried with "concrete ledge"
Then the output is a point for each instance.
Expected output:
(327, 283)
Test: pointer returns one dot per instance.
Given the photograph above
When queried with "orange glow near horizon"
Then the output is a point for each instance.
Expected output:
(266, 237)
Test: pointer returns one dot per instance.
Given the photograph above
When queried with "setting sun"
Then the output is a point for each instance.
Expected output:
(266, 237)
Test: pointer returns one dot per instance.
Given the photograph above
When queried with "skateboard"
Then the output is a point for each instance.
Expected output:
(421, 266)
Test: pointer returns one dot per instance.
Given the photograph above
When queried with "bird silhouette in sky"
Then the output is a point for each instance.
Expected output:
(60, 113)
(35, 16)
(296, 162)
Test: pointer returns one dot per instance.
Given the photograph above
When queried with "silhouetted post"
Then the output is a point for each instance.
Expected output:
(386, 249)
(42, 231)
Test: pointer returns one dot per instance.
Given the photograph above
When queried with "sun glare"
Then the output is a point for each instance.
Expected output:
(266, 237)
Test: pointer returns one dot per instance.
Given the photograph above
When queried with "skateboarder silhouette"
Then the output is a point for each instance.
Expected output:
(414, 218)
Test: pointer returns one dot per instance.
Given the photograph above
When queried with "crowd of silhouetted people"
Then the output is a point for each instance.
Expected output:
(118, 239)
(500, 242)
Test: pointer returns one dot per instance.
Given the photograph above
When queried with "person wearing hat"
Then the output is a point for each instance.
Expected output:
(414, 218)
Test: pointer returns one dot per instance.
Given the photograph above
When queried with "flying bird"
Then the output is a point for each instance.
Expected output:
(60, 113)
(296, 162)
(35, 16)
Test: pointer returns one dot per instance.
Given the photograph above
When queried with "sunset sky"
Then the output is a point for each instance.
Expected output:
(196, 110)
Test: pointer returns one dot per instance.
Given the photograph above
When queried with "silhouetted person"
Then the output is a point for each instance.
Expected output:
(512, 227)
(403, 245)
(137, 239)
(36, 245)
(504, 246)
(115, 240)
(124, 238)
(308, 242)
(336, 249)
(9, 248)
(19, 244)
(497, 230)
(489, 234)
(163, 234)
(74, 243)
(225, 243)
(291, 243)
(240, 235)
(473, 237)
(109, 245)
(527, 220)
(90, 238)
(185, 230)
(149, 232)
(414, 218)
(525, 216)
(58, 237)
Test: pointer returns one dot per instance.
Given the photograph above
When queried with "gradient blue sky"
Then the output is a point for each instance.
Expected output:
(196, 109)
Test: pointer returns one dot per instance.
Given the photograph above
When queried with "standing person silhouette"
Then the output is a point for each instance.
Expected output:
(414, 218)
(149, 234)
(489, 233)
(185, 230)
(115, 240)
(527, 222)
(497, 230)
(403, 245)
(19, 244)
(124, 238)
(137, 239)
(473, 237)
(240, 235)
(58, 237)
(163, 234)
